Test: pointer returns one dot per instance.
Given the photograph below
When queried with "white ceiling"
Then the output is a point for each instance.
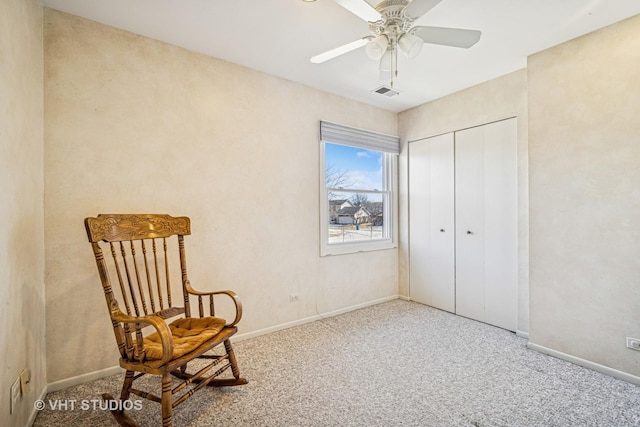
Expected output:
(279, 36)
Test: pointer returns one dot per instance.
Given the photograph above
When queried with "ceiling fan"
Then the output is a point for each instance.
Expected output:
(391, 27)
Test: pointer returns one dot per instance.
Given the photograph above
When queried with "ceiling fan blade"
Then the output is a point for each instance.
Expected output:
(330, 54)
(361, 8)
(417, 8)
(455, 37)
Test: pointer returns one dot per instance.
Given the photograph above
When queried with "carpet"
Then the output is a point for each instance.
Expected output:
(394, 364)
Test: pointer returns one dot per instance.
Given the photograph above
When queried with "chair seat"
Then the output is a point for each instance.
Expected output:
(188, 334)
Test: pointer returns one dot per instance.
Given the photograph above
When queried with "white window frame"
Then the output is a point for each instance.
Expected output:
(390, 190)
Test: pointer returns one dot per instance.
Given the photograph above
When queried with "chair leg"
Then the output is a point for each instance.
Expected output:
(119, 414)
(232, 359)
(126, 386)
(167, 405)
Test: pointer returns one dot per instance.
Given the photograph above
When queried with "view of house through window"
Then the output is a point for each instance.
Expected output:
(357, 194)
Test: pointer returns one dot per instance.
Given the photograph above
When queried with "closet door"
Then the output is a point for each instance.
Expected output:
(486, 223)
(470, 213)
(431, 219)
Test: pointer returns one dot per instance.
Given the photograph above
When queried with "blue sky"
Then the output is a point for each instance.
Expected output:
(363, 167)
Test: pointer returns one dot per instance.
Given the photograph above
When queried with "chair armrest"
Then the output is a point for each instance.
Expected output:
(158, 323)
(234, 297)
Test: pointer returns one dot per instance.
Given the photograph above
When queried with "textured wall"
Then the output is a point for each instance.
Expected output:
(584, 141)
(494, 100)
(22, 335)
(136, 125)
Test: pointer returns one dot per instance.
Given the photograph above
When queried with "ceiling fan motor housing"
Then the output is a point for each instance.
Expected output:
(394, 22)
(392, 10)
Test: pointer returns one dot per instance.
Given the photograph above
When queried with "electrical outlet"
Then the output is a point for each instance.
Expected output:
(633, 343)
(294, 298)
(15, 395)
(25, 378)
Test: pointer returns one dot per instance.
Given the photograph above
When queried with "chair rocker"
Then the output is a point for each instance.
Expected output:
(142, 252)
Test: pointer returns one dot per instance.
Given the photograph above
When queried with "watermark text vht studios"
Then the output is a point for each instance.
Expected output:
(88, 405)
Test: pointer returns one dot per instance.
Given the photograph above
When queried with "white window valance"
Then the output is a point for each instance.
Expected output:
(346, 135)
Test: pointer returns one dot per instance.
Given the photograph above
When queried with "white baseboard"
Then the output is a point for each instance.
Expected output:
(114, 370)
(84, 378)
(313, 318)
(522, 334)
(586, 363)
(34, 412)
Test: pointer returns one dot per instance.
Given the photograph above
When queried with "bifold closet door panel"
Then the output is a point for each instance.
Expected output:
(501, 224)
(486, 223)
(431, 219)
(469, 214)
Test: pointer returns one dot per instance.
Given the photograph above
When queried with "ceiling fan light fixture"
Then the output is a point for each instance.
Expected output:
(410, 45)
(377, 47)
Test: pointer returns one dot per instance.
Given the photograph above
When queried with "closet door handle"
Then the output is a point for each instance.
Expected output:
(469, 232)
(442, 230)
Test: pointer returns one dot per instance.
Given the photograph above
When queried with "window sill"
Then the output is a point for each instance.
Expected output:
(352, 248)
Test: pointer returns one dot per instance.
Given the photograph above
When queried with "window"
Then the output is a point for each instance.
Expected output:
(358, 191)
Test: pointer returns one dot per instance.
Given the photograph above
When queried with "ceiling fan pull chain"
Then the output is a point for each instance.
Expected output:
(395, 58)
(394, 63)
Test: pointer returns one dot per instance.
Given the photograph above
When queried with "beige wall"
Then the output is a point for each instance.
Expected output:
(584, 142)
(487, 102)
(22, 335)
(136, 125)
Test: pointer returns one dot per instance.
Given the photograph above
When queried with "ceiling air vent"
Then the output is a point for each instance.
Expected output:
(386, 91)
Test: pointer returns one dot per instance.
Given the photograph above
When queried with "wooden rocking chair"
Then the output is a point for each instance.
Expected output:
(138, 253)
